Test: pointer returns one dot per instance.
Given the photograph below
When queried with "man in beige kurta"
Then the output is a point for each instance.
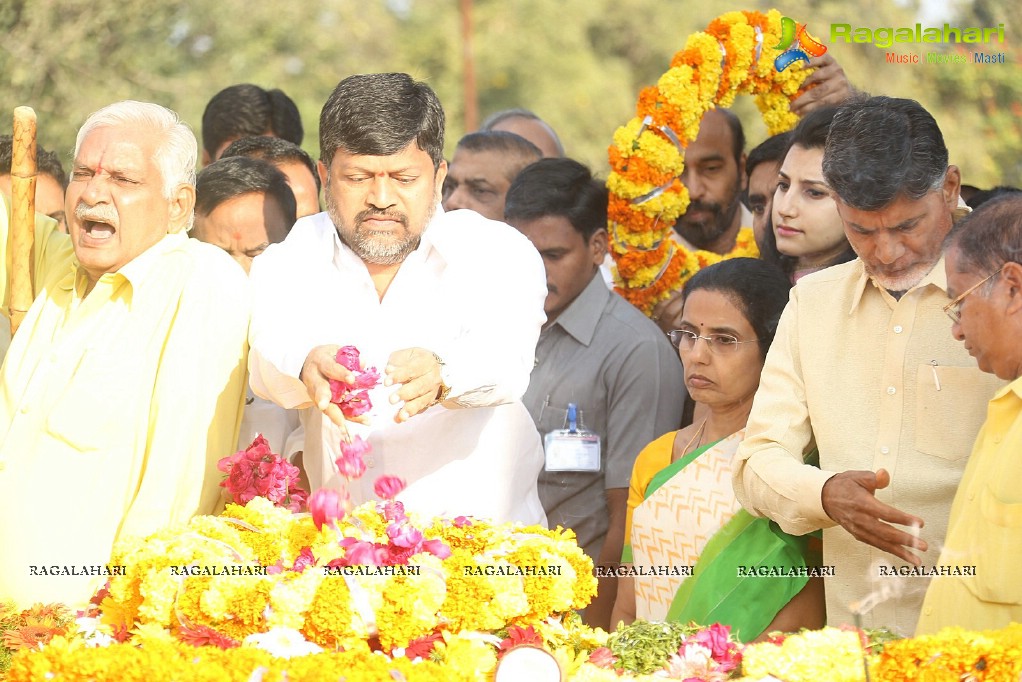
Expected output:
(864, 368)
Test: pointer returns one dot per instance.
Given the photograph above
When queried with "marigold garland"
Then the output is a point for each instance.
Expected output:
(732, 56)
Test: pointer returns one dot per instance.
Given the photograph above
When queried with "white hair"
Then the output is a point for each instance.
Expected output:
(176, 154)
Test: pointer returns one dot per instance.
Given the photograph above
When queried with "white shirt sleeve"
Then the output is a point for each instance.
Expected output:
(490, 360)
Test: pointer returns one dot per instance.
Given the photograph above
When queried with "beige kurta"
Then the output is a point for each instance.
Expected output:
(876, 383)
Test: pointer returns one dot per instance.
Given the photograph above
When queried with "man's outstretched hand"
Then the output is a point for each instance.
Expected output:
(850, 499)
(417, 370)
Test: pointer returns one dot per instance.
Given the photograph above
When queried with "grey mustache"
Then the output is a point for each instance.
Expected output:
(99, 213)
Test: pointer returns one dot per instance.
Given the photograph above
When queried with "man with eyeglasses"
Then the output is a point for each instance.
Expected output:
(984, 264)
(596, 352)
(863, 369)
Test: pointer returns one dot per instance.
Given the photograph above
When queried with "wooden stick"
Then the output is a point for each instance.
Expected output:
(22, 233)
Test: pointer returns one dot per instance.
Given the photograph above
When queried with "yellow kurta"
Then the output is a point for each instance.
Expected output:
(985, 530)
(114, 408)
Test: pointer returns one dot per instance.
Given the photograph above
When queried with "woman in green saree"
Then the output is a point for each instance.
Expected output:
(695, 554)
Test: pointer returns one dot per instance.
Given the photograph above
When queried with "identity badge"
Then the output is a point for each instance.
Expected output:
(572, 448)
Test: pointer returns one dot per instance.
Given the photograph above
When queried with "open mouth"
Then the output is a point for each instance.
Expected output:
(98, 231)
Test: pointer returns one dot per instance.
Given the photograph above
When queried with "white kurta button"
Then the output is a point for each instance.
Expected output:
(891, 390)
(898, 329)
(885, 450)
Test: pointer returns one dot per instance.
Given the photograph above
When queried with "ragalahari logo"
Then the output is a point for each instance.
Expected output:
(797, 44)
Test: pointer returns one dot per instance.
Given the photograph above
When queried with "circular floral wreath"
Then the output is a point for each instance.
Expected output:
(733, 56)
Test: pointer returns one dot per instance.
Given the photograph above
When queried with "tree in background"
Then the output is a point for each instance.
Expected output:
(578, 63)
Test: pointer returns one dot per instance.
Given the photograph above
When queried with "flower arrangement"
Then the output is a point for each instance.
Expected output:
(672, 650)
(732, 56)
(839, 655)
(257, 471)
(953, 654)
(28, 629)
(831, 654)
(640, 651)
(377, 576)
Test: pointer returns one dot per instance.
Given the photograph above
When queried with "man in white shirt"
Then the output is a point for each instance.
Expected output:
(448, 306)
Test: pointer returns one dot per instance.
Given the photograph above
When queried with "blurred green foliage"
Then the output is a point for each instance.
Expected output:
(577, 63)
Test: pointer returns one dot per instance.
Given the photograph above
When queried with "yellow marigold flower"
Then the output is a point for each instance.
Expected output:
(292, 597)
(328, 622)
(733, 56)
(466, 658)
(829, 654)
(151, 632)
(410, 605)
(476, 601)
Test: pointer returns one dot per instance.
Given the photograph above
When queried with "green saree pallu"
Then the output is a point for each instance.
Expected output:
(736, 569)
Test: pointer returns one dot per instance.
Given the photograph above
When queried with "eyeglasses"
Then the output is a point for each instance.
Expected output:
(684, 340)
(954, 308)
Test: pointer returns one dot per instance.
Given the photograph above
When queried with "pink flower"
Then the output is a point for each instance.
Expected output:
(717, 638)
(404, 535)
(388, 487)
(304, 560)
(358, 552)
(393, 510)
(367, 378)
(326, 507)
(350, 463)
(258, 472)
(296, 498)
(437, 548)
(694, 662)
(462, 521)
(602, 657)
(348, 357)
(353, 399)
(352, 403)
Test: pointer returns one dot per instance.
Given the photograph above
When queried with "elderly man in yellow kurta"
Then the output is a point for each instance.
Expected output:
(125, 382)
(980, 581)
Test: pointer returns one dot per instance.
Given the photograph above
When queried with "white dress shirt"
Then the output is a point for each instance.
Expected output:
(473, 293)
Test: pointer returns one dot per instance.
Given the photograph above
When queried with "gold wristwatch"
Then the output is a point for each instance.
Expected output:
(445, 389)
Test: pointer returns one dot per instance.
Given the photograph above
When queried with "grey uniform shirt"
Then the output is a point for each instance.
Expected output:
(612, 361)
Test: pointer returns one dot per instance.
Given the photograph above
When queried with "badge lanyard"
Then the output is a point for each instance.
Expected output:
(572, 448)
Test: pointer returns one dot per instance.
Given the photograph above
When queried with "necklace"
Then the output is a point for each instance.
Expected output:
(698, 435)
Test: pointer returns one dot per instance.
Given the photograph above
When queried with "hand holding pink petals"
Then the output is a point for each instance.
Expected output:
(353, 399)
